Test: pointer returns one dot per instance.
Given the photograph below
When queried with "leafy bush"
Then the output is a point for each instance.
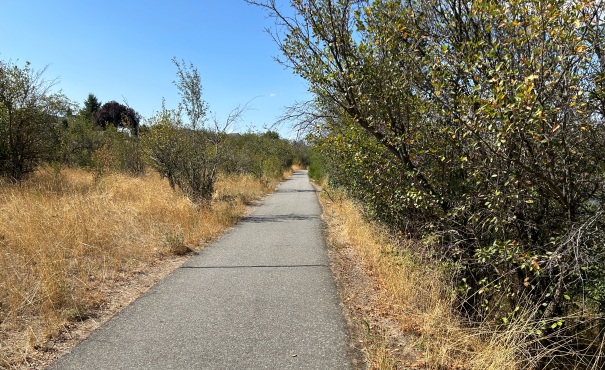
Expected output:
(181, 155)
(188, 155)
(79, 139)
(29, 120)
(264, 155)
(476, 126)
(317, 170)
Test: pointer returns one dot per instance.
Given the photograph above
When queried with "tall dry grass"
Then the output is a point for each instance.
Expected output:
(66, 238)
(417, 294)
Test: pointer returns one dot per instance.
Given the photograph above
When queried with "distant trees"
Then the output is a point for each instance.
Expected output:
(91, 106)
(184, 145)
(115, 114)
(264, 155)
(190, 149)
(93, 138)
(29, 113)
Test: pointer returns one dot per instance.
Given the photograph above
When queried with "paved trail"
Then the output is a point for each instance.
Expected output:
(261, 297)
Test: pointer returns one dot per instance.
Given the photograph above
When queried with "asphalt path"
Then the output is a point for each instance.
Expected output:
(261, 297)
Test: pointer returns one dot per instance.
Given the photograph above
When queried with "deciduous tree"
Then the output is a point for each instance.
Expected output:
(29, 113)
(479, 124)
(117, 115)
(188, 152)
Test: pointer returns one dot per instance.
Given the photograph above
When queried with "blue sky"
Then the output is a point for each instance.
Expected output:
(123, 49)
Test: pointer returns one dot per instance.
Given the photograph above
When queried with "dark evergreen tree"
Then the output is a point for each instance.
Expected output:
(91, 106)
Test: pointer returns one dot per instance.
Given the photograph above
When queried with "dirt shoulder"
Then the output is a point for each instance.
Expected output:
(117, 295)
(377, 340)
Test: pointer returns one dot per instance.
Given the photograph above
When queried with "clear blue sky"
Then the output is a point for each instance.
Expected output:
(123, 49)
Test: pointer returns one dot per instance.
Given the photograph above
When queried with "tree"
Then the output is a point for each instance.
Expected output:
(189, 85)
(91, 106)
(481, 123)
(165, 148)
(29, 114)
(118, 115)
(188, 153)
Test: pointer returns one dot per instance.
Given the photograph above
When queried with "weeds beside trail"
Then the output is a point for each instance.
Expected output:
(400, 308)
(69, 242)
(392, 301)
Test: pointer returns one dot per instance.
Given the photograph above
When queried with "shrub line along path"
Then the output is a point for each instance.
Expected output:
(261, 297)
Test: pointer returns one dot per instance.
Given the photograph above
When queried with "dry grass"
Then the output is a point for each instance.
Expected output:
(408, 321)
(67, 240)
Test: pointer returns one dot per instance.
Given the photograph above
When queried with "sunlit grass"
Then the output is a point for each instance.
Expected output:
(418, 295)
(66, 238)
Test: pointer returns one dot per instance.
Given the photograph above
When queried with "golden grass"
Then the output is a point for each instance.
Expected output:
(417, 295)
(67, 238)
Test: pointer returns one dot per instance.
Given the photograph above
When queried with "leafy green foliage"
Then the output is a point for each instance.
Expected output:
(79, 139)
(118, 152)
(265, 155)
(188, 155)
(82, 144)
(189, 85)
(29, 119)
(176, 155)
(91, 106)
(317, 170)
(476, 126)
